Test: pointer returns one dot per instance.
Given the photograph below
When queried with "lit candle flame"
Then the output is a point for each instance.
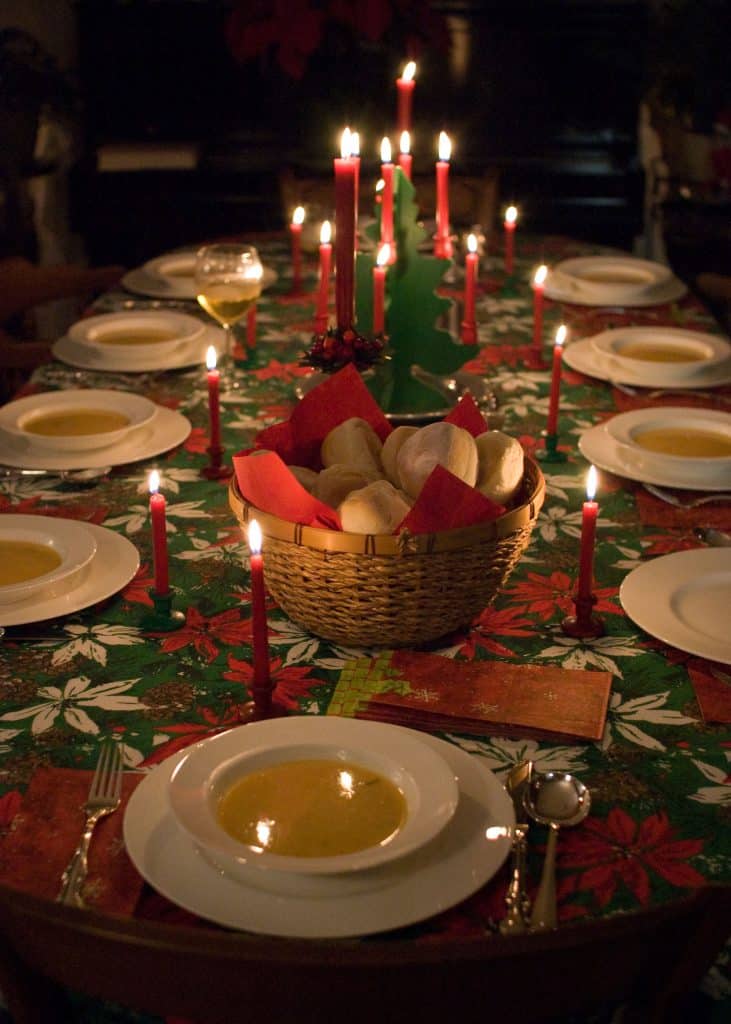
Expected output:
(211, 358)
(591, 481)
(345, 139)
(561, 335)
(355, 143)
(540, 275)
(405, 143)
(472, 243)
(511, 215)
(153, 481)
(409, 71)
(325, 233)
(445, 146)
(384, 255)
(254, 537)
(385, 150)
(380, 185)
(298, 217)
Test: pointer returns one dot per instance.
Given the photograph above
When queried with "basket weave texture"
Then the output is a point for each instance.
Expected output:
(391, 591)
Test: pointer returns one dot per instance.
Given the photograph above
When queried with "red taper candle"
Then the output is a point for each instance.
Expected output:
(344, 234)
(471, 264)
(355, 157)
(324, 285)
(442, 241)
(511, 217)
(539, 284)
(387, 177)
(589, 514)
(260, 637)
(214, 410)
(555, 381)
(405, 86)
(405, 159)
(379, 288)
(159, 535)
(295, 230)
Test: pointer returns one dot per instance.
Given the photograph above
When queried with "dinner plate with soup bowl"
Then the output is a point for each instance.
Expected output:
(610, 279)
(41, 557)
(114, 338)
(676, 353)
(312, 797)
(172, 276)
(77, 420)
(675, 440)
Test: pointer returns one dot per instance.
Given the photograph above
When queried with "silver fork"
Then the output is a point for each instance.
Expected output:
(103, 799)
(673, 499)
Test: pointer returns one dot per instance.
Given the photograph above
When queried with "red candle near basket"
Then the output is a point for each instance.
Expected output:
(387, 170)
(442, 241)
(471, 260)
(379, 289)
(260, 636)
(511, 219)
(555, 381)
(539, 284)
(405, 86)
(344, 233)
(295, 230)
(589, 515)
(214, 408)
(405, 158)
(324, 286)
(159, 534)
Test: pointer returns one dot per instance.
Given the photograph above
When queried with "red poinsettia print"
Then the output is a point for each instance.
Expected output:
(281, 371)
(197, 441)
(138, 589)
(207, 634)
(291, 682)
(182, 735)
(621, 851)
(491, 623)
(9, 807)
(548, 596)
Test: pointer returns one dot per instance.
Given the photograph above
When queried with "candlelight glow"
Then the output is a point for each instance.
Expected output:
(380, 185)
(153, 482)
(298, 217)
(445, 146)
(561, 335)
(211, 358)
(384, 255)
(409, 71)
(345, 139)
(511, 215)
(472, 243)
(355, 143)
(325, 233)
(254, 537)
(385, 150)
(540, 275)
(591, 480)
(405, 143)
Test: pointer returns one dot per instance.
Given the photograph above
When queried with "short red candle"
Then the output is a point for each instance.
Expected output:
(555, 381)
(159, 535)
(471, 261)
(324, 286)
(214, 411)
(260, 637)
(442, 242)
(387, 176)
(511, 217)
(251, 327)
(405, 86)
(295, 229)
(589, 514)
(379, 289)
(405, 158)
(344, 234)
(539, 283)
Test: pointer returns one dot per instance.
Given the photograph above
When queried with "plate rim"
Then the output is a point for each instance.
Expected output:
(668, 291)
(583, 345)
(55, 527)
(65, 349)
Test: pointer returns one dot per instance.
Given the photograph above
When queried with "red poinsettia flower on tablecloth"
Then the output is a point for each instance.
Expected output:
(291, 682)
(205, 634)
(281, 371)
(547, 596)
(618, 850)
(31, 506)
(185, 733)
(497, 354)
(138, 589)
(496, 622)
(664, 544)
(197, 441)
(9, 807)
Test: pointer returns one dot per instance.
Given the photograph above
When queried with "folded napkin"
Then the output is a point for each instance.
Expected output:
(46, 830)
(654, 512)
(713, 692)
(430, 692)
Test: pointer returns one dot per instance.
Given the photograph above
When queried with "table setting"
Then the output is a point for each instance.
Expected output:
(349, 521)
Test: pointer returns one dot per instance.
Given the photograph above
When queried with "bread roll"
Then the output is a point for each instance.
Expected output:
(335, 483)
(438, 444)
(353, 443)
(303, 475)
(501, 463)
(390, 450)
(377, 508)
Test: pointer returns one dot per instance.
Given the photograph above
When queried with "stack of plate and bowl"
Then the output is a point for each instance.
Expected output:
(613, 281)
(172, 276)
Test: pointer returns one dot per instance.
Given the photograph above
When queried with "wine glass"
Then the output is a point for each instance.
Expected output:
(227, 283)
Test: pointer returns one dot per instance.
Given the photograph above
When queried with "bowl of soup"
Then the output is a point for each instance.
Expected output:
(76, 420)
(674, 353)
(312, 796)
(612, 278)
(694, 444)
(115, 337)
(41, 556)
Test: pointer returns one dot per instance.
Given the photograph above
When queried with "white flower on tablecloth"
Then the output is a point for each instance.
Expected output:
(232, 553)
(581, 426)
(92, 642)
(517, 381)
(172, 479)
(555, 519)
(496, 305)
(509, 325)
(557, 484)
(500, 754)
(72, 701)
(576, 653)
(526, 404)
(632, 558)
(720, 792)
(136, 518)
(242, 421)
(623, 715)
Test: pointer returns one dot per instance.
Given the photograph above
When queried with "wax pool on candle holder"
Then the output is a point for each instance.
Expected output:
(511, 219)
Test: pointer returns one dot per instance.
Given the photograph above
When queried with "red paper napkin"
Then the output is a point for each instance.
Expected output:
(466, 414)
(713, 693)
(269, 485)
(46, 830)
(654, 512)
(446, 502)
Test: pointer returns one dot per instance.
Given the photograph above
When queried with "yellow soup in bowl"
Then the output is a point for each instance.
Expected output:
(23, 560)
(148, 336)
(76, 422)
(687, 443)
(312, 808)
(661, 353)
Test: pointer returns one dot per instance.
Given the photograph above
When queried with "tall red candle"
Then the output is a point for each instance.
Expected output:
(260, 637)
(159, 535)
(344, 234)
(355, 156)
(555, 381)
(214, 411)
(379, 289)
(539, 284)
(295, 229)
(405, 158)
(471, 261)
(589, 514)
(251, 326)
(511, 217)
(324, 286)
(387, 177)
(442, 242)
(405, 86)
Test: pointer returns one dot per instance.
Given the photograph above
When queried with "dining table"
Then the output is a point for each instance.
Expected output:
(658, 774)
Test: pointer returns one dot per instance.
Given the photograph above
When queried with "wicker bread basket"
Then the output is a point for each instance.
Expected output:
(391, 591)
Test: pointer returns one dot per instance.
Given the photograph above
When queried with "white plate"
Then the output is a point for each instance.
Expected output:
(112, 567)
(609, 279)
(147, 280)
(560, 291)
(465, 855)
(180, 329)
(16, 416)
(683, 599)
(167, 430)
(192, 353)
(73, 545)
(583, 357)
(213, 765)
(711, 351)
(598, 446)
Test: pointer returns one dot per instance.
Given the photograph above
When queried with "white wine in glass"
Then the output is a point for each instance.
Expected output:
(227, 282)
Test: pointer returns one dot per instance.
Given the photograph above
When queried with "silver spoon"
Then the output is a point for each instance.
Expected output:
(553, 799)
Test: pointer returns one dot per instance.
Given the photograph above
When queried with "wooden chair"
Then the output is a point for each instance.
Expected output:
(649, 960)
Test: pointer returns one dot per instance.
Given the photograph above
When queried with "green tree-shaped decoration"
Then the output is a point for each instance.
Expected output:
(412, 311)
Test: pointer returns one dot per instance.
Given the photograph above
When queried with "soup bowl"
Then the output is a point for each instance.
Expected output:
(676, 353)
(65, 546)
(112, 337)
(612, 279)
(114, 414)
(427, 786)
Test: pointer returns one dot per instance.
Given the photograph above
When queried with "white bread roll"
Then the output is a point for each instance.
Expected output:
(437, 444)
(390, 450)
(305, 476)
(377, 508)
(353, 443)
(335, 483)
(501, 463)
